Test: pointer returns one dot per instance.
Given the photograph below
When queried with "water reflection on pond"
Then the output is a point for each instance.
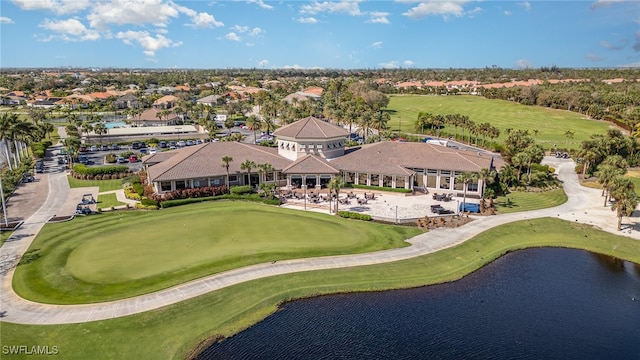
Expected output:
(532, 304)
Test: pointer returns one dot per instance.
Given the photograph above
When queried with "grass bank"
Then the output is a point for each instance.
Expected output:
(106, 201)
(173, 331)
(551, 124)
(103, 185)
(118, 255)
(525, 201)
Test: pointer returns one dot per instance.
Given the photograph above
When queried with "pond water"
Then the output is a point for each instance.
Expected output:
(533, 304)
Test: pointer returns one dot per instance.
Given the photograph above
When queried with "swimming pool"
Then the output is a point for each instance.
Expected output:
(114, 125)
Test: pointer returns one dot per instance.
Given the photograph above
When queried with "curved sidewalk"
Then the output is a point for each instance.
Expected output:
(18, 310)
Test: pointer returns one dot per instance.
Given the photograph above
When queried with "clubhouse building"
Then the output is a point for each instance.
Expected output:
(311, 152)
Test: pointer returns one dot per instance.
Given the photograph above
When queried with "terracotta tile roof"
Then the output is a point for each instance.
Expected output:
(204, 160)
(311, 128)
(166, 99)
(310, 164)
(100, 95)
(393, 158)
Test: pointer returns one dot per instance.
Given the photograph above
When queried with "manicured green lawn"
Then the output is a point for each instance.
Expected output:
(106, 201)
(525, 201)
(104, 185)
(4, 235)
(171, 332)
(116, 255)
(551, 124)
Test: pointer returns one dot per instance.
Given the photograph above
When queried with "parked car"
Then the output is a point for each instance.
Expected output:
(115, 147)
(143, 151)
(82, 149)
(198, 142)
(121, 160)
(153, 150)
(172, 143)
(104, 148)
(133, 158)
(163, 145)
(190, 143)
(181, 143)
(135, 145)
(94, 148)
(83, 159)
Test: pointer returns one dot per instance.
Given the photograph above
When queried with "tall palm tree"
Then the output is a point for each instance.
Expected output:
(100, 129)
(622, 190)
(263, 169)
(466, 177)
(606, 173)
(487, 176)
(253, 124)
(335, 185)
(7, 120)
(248, 165)
(225, 164)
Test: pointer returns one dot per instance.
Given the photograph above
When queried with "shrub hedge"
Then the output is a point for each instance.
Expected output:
(354, 215)
(240, 190)
(81, 169)
(249, 197)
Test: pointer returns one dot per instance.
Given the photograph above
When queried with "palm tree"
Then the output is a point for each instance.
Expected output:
(487, 176)
(622, 190)
(606, 173)
(422, 121)
(466, 177)
(7, 121)
(225, 164)
(248, 165)
(254, 124)
(100, 129)
(263, 169)
(335, 185)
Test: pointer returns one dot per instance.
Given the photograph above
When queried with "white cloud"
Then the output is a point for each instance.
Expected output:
(378, 17)
(390, 65)
(55, 6)
(524, 64)
(607, 45)
(240, 29)
(295, 67)
(408, 63)
(434, 7)
(256, 31)
(604, 3)
(307, 20)
(134, 12)
(507, 13)
(69, 30)
(344, 6)
(263, 63)
(376, 45)
(232, 36)
(526, 5)
(149, 43)
(261, 4)
(593, 57)
(204, 20)
(5, 20)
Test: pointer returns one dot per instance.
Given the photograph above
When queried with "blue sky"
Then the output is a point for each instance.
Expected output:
(319, 34)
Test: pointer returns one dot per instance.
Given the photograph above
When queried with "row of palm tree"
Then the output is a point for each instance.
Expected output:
(618, 187)
(17, 134)
(436, 122)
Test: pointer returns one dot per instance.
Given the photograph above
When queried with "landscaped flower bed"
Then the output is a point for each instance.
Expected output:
(57, 219)
(10, 226)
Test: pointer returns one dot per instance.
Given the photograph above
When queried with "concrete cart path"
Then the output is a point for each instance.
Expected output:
(18, 310)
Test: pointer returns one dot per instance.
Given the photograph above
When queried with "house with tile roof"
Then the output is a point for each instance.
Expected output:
(310, 152)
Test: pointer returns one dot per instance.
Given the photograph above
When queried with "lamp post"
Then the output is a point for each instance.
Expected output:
(178, 129)
(396, 214)
(305, 196)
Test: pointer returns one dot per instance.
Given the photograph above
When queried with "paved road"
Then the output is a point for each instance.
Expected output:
(17, 310)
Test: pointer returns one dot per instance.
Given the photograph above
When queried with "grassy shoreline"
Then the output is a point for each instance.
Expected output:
(175, 331)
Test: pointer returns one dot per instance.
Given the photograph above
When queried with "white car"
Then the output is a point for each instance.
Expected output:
(94, 148)
(181, 143)
(153, 150)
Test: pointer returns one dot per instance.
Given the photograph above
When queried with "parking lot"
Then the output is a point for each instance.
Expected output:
(97, 158)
